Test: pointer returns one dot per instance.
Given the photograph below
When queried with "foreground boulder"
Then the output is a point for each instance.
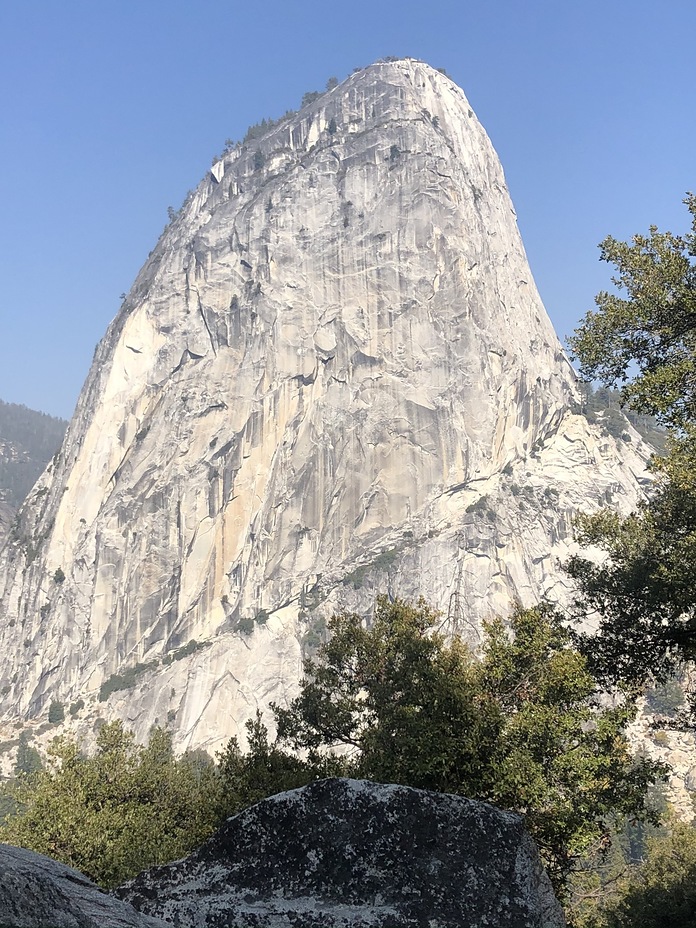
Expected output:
(37, 892)
(354, 854)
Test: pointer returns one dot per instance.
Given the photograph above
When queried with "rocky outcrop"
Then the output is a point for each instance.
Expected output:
(36, 892)
(333, 377)
(354, 854)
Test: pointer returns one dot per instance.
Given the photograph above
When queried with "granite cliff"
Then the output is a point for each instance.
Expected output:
(333, 376)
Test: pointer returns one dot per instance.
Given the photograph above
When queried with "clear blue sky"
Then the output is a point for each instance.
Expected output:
(113, 109)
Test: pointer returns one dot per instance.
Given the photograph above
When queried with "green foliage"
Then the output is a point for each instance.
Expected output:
(665, 698)
(245, 625)
(605, 407)
(332, 127)
(124, 681)
(645, 340)
(523, 728)
(315, 634)
(331, 83)
(126, 808)
(59, 576)
(56, 712)
(185, 650)
(482, 507)
(309, 97)
(259, 129)
(76, 707)
(644, 590)
(384, 561)
(28, 758)
(259, 159)
(265, 769)
(661, 892)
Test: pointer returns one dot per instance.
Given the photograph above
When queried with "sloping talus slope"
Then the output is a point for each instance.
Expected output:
(333, 375)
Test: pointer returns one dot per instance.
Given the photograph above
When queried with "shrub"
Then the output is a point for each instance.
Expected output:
(661, 738)
(59, 576)
(28, 759)
(245, 625)
(125, 680)
(179, 653)
(56, 712)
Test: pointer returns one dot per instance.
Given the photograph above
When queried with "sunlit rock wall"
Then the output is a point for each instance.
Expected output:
(332, 377)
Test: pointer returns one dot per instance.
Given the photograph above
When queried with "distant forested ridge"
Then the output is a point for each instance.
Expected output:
(28, 441)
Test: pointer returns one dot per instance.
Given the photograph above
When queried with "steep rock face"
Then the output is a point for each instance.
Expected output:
(355, 854)
(333, 375)
(36, 891)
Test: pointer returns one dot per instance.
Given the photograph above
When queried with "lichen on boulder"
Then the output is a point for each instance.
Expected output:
(343, 853)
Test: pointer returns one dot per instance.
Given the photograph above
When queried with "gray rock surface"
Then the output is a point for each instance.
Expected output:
(354, 854)
(333, 376)
(37, 892)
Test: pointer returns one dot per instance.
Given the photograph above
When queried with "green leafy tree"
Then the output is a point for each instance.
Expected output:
(113, 814)
(265, 769)
(524, 727)
(56, 712)
(28, 758)
(309, 97)
(661, 891)
(259, 159)
(643, 337)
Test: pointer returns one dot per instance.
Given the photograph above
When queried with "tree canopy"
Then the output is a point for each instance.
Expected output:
(112, 814)
(644, 339)
(524, 727)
